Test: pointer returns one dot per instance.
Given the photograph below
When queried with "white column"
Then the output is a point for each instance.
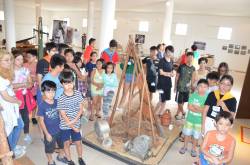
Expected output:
(169, 10)
(9, 18)
(107, 20)
(90, 19)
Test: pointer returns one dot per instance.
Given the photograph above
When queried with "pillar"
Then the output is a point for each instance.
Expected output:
(38, 14)
(107, 20)
(90, 19)
(168, 17)
(9, 18)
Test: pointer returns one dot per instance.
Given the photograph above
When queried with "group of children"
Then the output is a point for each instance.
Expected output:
(62, 81)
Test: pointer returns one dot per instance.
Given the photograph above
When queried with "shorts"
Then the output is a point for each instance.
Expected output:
(129, 78)
(181, 97)
(165, 95)
(203, 161)
(50, 146)
(209, 124)
(151, 87)
(192, 129)
(71, 134)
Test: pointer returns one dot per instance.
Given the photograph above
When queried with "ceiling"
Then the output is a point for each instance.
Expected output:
(211, 7)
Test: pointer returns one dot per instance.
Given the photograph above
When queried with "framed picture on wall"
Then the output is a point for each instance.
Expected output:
(243, 52)
(224, 47)
(1, 28)
(237, 47)
(230, 51)
(200, 45)
(248, 51)
(243, 47)
(139, 38)
(231, 46)
(236, 51)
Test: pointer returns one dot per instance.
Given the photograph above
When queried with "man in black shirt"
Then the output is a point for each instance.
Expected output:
(151, 65)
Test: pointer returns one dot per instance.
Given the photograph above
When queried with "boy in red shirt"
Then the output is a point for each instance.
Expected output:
(110, 54)
(89, 50)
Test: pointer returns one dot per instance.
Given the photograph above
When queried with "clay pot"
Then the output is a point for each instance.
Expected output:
(166, 118)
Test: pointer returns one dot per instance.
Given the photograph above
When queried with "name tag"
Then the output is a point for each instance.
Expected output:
(153, 84)
(129, 63)
(161, 91)
(215, 111)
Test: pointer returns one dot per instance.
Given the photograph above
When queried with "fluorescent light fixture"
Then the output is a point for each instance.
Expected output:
(84, 22)
(224, 33)
(1, 15)
(143, 26)
(181, 29)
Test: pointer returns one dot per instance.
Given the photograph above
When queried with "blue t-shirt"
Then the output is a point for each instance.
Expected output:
(51, 116)
(89, 67)
(59, 87)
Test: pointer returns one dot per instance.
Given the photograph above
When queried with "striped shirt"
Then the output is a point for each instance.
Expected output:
(71, 106)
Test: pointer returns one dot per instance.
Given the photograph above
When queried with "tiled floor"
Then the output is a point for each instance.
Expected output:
(93, 157)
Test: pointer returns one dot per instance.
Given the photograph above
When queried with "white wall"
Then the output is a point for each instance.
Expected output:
(200, 28)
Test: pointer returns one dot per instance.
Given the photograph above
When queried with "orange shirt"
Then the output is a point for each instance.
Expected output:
(218, 148)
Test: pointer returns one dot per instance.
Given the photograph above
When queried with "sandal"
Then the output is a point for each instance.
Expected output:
(183, 150)
(193, 153)
(98, 115)
(91, 117)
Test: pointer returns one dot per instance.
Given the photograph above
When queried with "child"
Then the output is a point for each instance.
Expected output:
(49, 122)
(196, 55)
(164, 82)
(110, 84)
(89, 68)
(218, 145)
(223, 69)
(61, 48)
(183, 82)
(43, 66)
(213, 78)
(9, 104)
(70, 107)
(160, 51)
(89, 50)
(218, 101)
(82, 85)
(151, 64)
(31, 65)
(22, 84)
(192, 126)
(57, 65)
(110, 54)
(97, 89)
(202, 72)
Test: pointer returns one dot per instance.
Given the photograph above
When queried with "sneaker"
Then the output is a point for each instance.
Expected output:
(34, 121)
(81, 162)
(193, 153)
(18, 153)
(183, 150)
(63, 159)
(71, 162)
(28, 139)
(52, 163)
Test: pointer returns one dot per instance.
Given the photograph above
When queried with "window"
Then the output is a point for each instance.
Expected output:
(181, 29)
(143, 26)
(115, 24)
(84, 22)
(224, 33)
(1, 15)
(67, 20)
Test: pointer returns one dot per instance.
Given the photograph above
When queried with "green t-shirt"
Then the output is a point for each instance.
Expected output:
(130, 66)
(196, 99)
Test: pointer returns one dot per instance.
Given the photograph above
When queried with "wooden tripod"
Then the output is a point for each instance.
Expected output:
(139, 73)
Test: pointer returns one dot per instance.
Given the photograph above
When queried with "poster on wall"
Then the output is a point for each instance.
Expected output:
(200, 45)
(224, 47)
(237, 47)
(248, 51)
(236, 51)
(59, 31)
(243, 47)
(230, 51)
(139, 38)
(243, 52)
(1, 28)
(231, 46)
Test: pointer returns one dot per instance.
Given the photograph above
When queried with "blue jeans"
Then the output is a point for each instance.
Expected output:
(15, 134)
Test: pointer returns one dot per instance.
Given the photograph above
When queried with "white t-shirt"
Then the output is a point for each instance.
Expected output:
(10, 112)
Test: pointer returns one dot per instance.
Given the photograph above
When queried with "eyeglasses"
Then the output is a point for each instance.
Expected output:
(226, 84)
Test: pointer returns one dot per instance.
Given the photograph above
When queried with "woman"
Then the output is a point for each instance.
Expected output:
(10, 105)
(202, 72)
(223, 69)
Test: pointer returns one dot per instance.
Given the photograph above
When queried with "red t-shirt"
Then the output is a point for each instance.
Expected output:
(86, 55)
(183, 59)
